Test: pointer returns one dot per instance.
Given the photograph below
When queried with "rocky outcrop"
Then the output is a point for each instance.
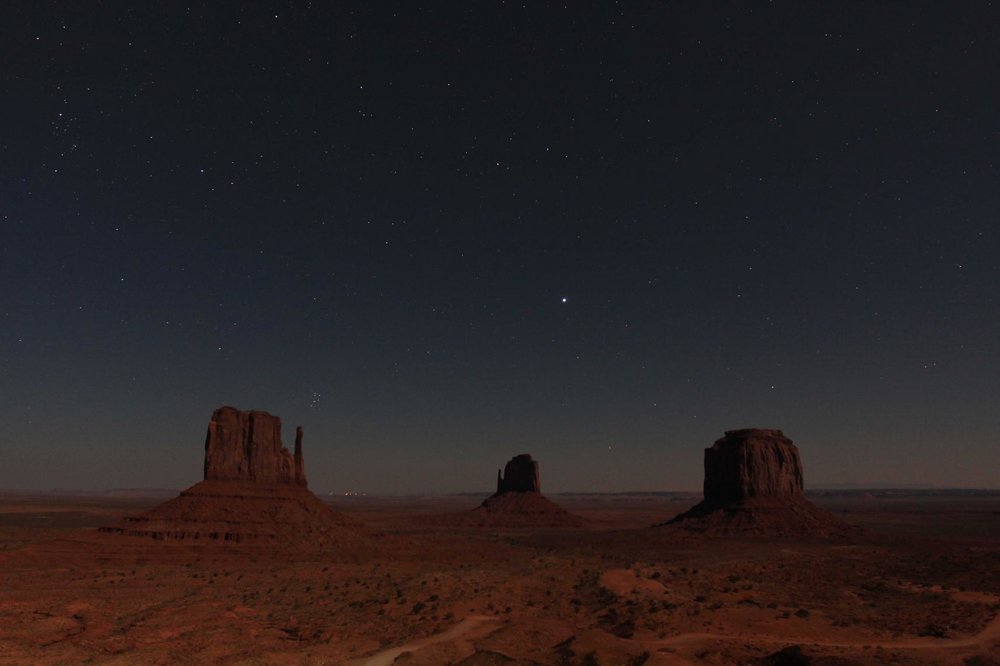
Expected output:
(517, 503)
(754, 486)
(254, 492)
(246, 446)
(522, 509)
(752, 463)
(243, 512)
(520, 475)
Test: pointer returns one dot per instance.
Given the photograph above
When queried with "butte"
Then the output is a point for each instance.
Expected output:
(754, 486)
(518, 502)
(254, 492)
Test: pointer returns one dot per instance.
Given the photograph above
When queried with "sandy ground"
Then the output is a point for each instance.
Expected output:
(923, 587)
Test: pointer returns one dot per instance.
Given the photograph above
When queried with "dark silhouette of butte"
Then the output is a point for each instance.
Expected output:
(754, 485)
(519, 475)
(518, 500)
(254, 491)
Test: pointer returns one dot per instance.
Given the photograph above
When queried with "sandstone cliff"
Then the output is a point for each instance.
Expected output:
(520, 475)
(752, 463)
(254, 492)
(754, 486)
(246, 446)
(518, 502)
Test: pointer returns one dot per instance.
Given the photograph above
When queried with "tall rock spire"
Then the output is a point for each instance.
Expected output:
(300, 471)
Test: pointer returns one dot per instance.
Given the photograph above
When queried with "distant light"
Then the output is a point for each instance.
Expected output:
(564, 299)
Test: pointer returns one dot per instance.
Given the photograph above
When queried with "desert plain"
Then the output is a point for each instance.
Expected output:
(918, 583)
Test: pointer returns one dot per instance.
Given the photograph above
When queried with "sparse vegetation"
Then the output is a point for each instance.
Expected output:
(630, 595)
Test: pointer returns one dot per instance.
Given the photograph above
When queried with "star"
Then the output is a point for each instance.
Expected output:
(564, 299)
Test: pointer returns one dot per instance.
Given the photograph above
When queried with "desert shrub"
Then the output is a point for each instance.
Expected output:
(605, 596)
(624, 630)
(934, 630)
(981, 660)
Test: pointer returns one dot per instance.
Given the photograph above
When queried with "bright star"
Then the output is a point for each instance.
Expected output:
(564, 299)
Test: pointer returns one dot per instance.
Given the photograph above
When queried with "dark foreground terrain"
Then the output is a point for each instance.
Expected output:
(920, 585)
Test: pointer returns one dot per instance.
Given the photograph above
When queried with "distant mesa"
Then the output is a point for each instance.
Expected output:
(254, 491)
(754, 484)
(518, 502)
(520, 475)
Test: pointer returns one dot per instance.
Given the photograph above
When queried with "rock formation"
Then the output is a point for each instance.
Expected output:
(752, 463)
(246, 446)
(254, 491)
(518, 502)
(520, 474)
(754, 485)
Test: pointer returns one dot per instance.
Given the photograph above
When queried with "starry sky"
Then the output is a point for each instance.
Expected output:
(437, 235)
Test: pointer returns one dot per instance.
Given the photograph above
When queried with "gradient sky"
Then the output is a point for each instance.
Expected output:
(440, 234)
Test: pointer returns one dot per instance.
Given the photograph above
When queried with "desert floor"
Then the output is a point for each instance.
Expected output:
(922, 586)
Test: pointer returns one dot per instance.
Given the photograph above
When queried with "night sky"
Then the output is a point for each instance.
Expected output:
(437, 235)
